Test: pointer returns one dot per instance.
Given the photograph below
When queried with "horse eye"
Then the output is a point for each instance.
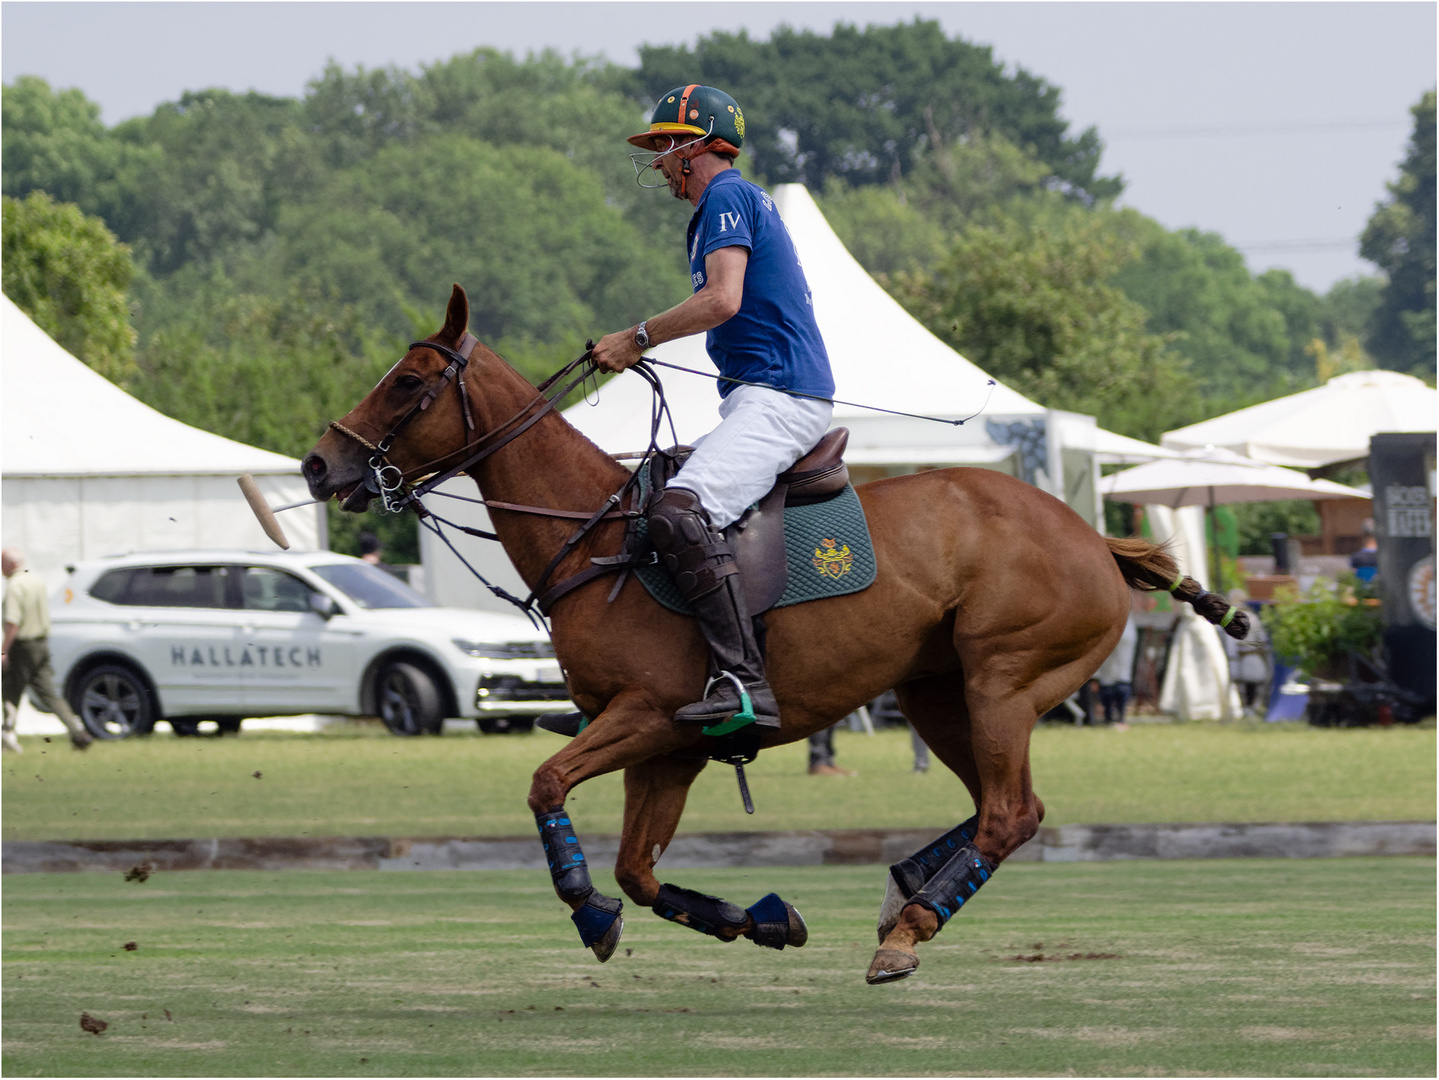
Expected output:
(409, 383)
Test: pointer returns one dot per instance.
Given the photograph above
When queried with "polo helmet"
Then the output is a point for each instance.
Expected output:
(694, 114)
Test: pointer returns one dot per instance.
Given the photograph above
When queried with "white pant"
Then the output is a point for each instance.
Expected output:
(762, 432)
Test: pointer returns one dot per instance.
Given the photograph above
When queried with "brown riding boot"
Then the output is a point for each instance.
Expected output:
(702, 564)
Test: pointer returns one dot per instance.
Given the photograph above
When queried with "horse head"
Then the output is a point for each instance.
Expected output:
(409, 425)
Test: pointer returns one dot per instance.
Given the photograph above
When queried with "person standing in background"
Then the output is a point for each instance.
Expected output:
(1365, 561)
(26, 656)
(1116, 675)
(370, 549)
(821, 754)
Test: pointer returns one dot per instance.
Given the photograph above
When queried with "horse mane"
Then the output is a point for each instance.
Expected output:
(1150, 568)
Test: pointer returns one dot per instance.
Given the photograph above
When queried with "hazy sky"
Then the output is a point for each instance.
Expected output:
(1273, 124)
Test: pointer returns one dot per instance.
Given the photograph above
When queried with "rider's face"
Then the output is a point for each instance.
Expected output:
(672, 168)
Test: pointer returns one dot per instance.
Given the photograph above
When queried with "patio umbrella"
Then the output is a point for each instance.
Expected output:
(1212, 477)
(1318, 427)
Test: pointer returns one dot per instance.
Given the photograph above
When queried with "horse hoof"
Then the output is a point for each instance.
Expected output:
(605, 947)
(889, 911)
(798, 931)
(890, 965)
(776, 924)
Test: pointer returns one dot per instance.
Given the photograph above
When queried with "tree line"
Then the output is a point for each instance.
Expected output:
(251, 264)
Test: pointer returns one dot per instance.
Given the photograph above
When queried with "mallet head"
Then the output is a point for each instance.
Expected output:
(262, 510)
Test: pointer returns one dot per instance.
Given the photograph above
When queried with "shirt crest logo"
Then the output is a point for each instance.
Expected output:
(830, 561)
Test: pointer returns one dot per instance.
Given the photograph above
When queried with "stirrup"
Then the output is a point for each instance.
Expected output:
(745, 714)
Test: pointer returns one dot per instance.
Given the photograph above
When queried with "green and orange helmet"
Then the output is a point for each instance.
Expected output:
(699, 116)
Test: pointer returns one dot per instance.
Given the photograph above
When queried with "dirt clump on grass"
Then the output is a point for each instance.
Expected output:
(92, 1024)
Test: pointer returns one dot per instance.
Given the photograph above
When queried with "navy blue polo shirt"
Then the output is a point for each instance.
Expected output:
(773, 339)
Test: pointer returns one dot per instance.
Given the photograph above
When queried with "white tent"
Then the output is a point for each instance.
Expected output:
(1318, 427)
(86, 470)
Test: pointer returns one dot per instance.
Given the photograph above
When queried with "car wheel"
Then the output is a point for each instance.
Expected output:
(228, 725)
(408, 700)
(114, 702)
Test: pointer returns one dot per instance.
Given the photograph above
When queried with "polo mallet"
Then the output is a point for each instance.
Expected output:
(263, 512)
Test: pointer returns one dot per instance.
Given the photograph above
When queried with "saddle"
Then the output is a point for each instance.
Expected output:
(758, 536)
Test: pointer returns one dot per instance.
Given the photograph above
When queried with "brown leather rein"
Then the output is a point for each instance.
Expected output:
(396, 494)
(386, 480)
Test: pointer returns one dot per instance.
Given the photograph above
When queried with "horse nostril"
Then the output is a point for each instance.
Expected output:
(313, 466)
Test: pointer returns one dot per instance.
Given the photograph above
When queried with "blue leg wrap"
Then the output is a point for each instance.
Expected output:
(699, 911)
(954, 883)
(562, 851)
(911, 874)
(595, 916)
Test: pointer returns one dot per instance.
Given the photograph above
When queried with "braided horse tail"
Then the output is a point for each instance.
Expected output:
(1150, 568)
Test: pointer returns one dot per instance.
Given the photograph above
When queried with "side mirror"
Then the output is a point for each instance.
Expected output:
(324, 606)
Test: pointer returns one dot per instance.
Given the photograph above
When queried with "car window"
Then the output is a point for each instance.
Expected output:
(369, 586)
(267, 589)
(165, 586)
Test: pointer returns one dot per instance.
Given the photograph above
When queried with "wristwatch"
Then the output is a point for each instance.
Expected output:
(642, 337)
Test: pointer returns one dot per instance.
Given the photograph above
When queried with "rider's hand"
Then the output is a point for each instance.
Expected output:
(617, 351)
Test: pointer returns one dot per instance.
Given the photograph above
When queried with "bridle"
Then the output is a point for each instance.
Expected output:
(391, 484)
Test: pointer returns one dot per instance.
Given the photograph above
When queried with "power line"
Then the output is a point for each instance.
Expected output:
(1199, 131)
(1296, 245)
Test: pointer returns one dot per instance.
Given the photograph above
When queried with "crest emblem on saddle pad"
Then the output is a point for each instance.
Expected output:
(830, 561)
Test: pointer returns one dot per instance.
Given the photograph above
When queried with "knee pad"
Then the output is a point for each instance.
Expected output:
(954, 883)
(697, 556)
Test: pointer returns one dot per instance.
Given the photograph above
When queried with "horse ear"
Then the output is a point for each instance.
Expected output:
(457, 316)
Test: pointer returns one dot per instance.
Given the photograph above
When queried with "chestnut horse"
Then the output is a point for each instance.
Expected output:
(994, 602)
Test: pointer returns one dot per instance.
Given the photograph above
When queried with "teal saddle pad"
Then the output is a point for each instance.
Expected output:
(827, 546)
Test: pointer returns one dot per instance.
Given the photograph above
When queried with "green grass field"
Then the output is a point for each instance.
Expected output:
(360, 781)
(1249, 967)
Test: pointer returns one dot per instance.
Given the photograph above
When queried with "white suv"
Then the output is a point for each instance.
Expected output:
(221, 635)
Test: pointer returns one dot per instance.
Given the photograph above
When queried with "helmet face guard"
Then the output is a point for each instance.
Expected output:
(677, 144)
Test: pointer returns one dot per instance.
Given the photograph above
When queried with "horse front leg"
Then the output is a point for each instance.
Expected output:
(655, 793)
(629, 731)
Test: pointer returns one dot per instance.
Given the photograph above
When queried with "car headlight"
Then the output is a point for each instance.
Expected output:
(480, 648)
(506, 650)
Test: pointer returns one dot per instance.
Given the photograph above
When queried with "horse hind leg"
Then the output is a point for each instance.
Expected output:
(655, 793)
(936, 707)
(1002, 713)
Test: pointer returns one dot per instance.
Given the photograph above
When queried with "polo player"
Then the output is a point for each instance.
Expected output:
(753, 304)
